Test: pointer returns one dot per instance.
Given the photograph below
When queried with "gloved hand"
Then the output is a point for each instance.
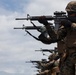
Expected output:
(57, 57)
(43, 20)
(66, 23)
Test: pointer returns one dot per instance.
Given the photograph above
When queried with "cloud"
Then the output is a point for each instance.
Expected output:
(13, 5)
(47, 7)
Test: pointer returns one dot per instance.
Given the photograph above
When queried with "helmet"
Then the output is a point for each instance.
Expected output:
(52, 56)
(71, 7)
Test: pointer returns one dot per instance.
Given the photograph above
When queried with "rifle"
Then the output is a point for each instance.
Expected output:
(32, 61)
(28, 27)
(37, 66)
(38, 63)
(58, 16)
(48, 50)
(41, 29)
(42, 61)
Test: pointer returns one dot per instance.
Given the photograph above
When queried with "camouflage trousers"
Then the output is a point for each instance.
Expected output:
(68, 66)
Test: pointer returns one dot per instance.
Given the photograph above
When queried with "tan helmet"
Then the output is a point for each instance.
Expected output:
(52, 56)
(71, 7)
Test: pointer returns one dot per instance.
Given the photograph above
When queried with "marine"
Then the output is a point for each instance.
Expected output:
(51, 68)
(68, 27)
(65, 37)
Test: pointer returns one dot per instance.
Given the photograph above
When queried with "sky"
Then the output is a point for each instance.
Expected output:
(16, 46)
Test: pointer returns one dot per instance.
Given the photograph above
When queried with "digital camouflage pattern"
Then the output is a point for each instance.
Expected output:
(71, 6)
(51, 68)
(67, 67)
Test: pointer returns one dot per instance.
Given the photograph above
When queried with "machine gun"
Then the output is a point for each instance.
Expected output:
(58, 16)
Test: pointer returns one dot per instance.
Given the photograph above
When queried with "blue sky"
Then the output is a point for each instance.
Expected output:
(14, 5)
(15, 46)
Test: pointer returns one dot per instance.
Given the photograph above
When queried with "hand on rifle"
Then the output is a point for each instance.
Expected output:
(39, 62)
(57, 57)
(66, 23)
(43, 20)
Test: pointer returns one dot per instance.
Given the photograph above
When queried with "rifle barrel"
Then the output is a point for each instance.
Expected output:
(35, 18)
(21, 19)
(46, 50)
(43, 50)
(28, 27)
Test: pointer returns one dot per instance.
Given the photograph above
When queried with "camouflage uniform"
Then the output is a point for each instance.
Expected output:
(66, 41)
(61, 51)
(51, 68)
(60, 44)
(68, 66)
